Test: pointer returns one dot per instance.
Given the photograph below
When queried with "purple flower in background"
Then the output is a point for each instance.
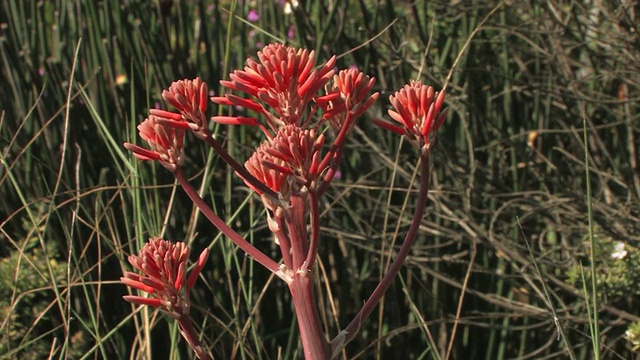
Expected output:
(253, 16)
(291, 32)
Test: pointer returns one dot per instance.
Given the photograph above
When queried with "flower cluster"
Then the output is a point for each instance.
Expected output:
(190, 98)
(165, 143)
(288, 162)
(282, 80)
(164, 131)
(347, 93)
(284, 88)
(266, 168)
(163, 265)
(295, 103)
(417, 111)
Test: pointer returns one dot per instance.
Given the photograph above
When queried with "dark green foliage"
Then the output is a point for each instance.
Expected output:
(26, 295)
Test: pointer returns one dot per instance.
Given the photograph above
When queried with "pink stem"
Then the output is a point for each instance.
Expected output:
(332, 158)
(312, 254)
(283, 237)
(331, 172)
(191, 336)
(297, 226)
(241, 170)
(314, 342)
(247, 247)
(351, 330)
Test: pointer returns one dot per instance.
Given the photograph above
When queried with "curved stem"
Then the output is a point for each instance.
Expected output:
(312, 254)
(280, 271)
(239, 168)
(190, 334)
(277, 226)
(332, 158)
(331, 172)
(351, 330)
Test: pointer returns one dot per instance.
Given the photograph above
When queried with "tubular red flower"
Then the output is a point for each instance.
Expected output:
(163, 265)
(190, 98)
(235, 120)
(417, 111)
(258, 165)
(165, 142)
(135, 281)
(298, 149)
(134, 299)
(348, 92)
(287, 164)
(233, 100)
(202, 259)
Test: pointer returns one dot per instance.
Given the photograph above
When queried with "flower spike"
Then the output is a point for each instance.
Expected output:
(417, 112)
(347, 93)
(346, 100)
(163, 265)
(282, 79)
(271, 171)
(190, 98)
(165, 142)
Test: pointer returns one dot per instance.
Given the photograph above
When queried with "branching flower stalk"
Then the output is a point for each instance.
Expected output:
(296, 104)
(252, 251)
(349, 332)
(417, 114)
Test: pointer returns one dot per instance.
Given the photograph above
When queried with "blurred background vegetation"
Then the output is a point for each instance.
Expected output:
(508, 171)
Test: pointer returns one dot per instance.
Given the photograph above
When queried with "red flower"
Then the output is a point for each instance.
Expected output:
(282, 79)
(300, 151)
(270, 171)
(163, 265)
(417, 110)
(348, 94)
(287, 163)
(190, 98)
(165, 141)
